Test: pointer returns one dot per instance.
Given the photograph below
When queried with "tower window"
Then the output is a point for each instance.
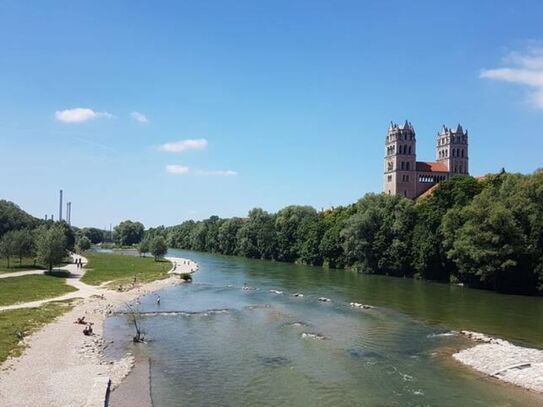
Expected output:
(407, 166)
(402, 165)
(409, 149)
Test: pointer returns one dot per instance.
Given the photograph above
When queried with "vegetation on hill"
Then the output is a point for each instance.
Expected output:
(486, 234)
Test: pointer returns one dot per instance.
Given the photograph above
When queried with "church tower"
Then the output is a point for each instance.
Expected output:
(400, 160)
(452, 150)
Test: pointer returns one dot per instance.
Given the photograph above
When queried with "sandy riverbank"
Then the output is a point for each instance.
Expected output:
(61, 366)
(504, 361)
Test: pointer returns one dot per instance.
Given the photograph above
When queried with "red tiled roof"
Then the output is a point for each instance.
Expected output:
(431, 167)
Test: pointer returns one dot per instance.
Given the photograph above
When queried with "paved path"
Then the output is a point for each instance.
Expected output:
(83, 290)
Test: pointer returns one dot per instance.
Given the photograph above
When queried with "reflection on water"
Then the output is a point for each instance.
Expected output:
(215, 343)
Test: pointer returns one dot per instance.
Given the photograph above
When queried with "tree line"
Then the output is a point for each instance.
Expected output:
(485, 233)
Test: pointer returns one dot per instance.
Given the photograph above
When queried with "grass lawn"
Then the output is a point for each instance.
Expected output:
(26, 264)
(121, 269)
(18, 323)
(31, 288)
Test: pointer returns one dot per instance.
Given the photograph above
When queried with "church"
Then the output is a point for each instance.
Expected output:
(406, 176)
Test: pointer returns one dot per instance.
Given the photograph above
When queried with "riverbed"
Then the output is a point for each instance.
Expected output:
(239, 336)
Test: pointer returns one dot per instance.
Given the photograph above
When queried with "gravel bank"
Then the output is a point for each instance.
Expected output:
(504, 361)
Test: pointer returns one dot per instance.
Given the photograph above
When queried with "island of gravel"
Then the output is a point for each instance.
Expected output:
(60, 366)
(503, 360)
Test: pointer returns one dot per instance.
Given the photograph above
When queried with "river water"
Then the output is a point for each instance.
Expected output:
(214, 343)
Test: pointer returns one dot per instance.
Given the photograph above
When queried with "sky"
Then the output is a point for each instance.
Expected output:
(174, 110)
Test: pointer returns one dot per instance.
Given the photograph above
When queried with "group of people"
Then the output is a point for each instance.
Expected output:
(79, 262)
(87, 331)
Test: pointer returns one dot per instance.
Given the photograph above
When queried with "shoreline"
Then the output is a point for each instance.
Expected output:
(502, 360)
(61, 366)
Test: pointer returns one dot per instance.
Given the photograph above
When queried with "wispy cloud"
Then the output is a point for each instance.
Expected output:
(182, 170)
(524, 69)
(80, 115)
(218, 173)
(139, 117)
(177, 169)
(184, 145)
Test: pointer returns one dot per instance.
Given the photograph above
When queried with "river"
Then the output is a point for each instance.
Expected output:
(213, 343)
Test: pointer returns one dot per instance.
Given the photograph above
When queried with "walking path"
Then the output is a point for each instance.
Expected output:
(74, 279)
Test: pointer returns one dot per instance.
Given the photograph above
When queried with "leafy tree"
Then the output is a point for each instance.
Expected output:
(95, 235)
(227, 236)
(7, 246)
(128, 233)
(158, 247)
(378, 236)
(331, 244)
(51, 246)
(287, 223)
(23, 243)
(256, 238)
(428, 255)
(144, 246)
(309, 235)
(84, 243)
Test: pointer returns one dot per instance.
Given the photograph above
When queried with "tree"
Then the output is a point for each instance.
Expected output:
(23, 244)
(51, 247)
(84, 243)
(128, 233)
(144, 246)
(158, 247)
(227, 236)
(287, 223)
(7, 246)
(377, 238)
(256, 238)
(95, 235)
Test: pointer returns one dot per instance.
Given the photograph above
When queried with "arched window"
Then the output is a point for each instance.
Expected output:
(402, 165)
(462, 153)
(409, 149)
(407, 166)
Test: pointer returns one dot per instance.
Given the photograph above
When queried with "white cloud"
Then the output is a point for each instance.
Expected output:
(219, 173)
(177, 169)
(184, 145)
(523, 69)
(139, 117)
(80, 115)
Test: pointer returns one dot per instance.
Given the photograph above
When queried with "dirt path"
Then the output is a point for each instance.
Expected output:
(83, 290)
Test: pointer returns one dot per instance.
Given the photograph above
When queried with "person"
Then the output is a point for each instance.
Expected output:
(80, 320)
(134, 280)
(88, 330)
(158, 300)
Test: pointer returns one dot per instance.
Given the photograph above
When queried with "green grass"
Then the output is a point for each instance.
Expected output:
(121, 269)
(18, 323)
(31, 288)
(26, 264)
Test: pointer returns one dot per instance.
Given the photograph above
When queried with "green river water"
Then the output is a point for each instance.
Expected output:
(213, 343)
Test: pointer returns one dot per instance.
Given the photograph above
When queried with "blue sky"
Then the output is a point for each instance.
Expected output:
(282, 102)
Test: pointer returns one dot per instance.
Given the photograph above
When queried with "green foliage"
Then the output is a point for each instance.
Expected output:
(128, 233)
(158, 247)
(95, 235)
(378, 237)
(14, 218)
(51, 245)
(84, 243)
(144, 246)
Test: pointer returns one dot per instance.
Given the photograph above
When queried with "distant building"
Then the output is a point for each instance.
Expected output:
(406, 176)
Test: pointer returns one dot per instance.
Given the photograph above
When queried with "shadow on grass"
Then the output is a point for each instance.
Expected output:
(58, 273)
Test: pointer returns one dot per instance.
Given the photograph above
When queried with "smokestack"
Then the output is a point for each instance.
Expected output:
(53, 218)
(45, 217)
(60, 207)
(69, 213)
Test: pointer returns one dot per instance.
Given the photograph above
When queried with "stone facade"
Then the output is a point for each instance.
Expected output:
(404, 175)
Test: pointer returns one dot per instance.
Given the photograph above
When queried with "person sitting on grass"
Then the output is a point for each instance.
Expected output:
(80, 320)
(88, 330)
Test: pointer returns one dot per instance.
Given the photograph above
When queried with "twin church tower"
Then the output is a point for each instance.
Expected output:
(406, 176)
